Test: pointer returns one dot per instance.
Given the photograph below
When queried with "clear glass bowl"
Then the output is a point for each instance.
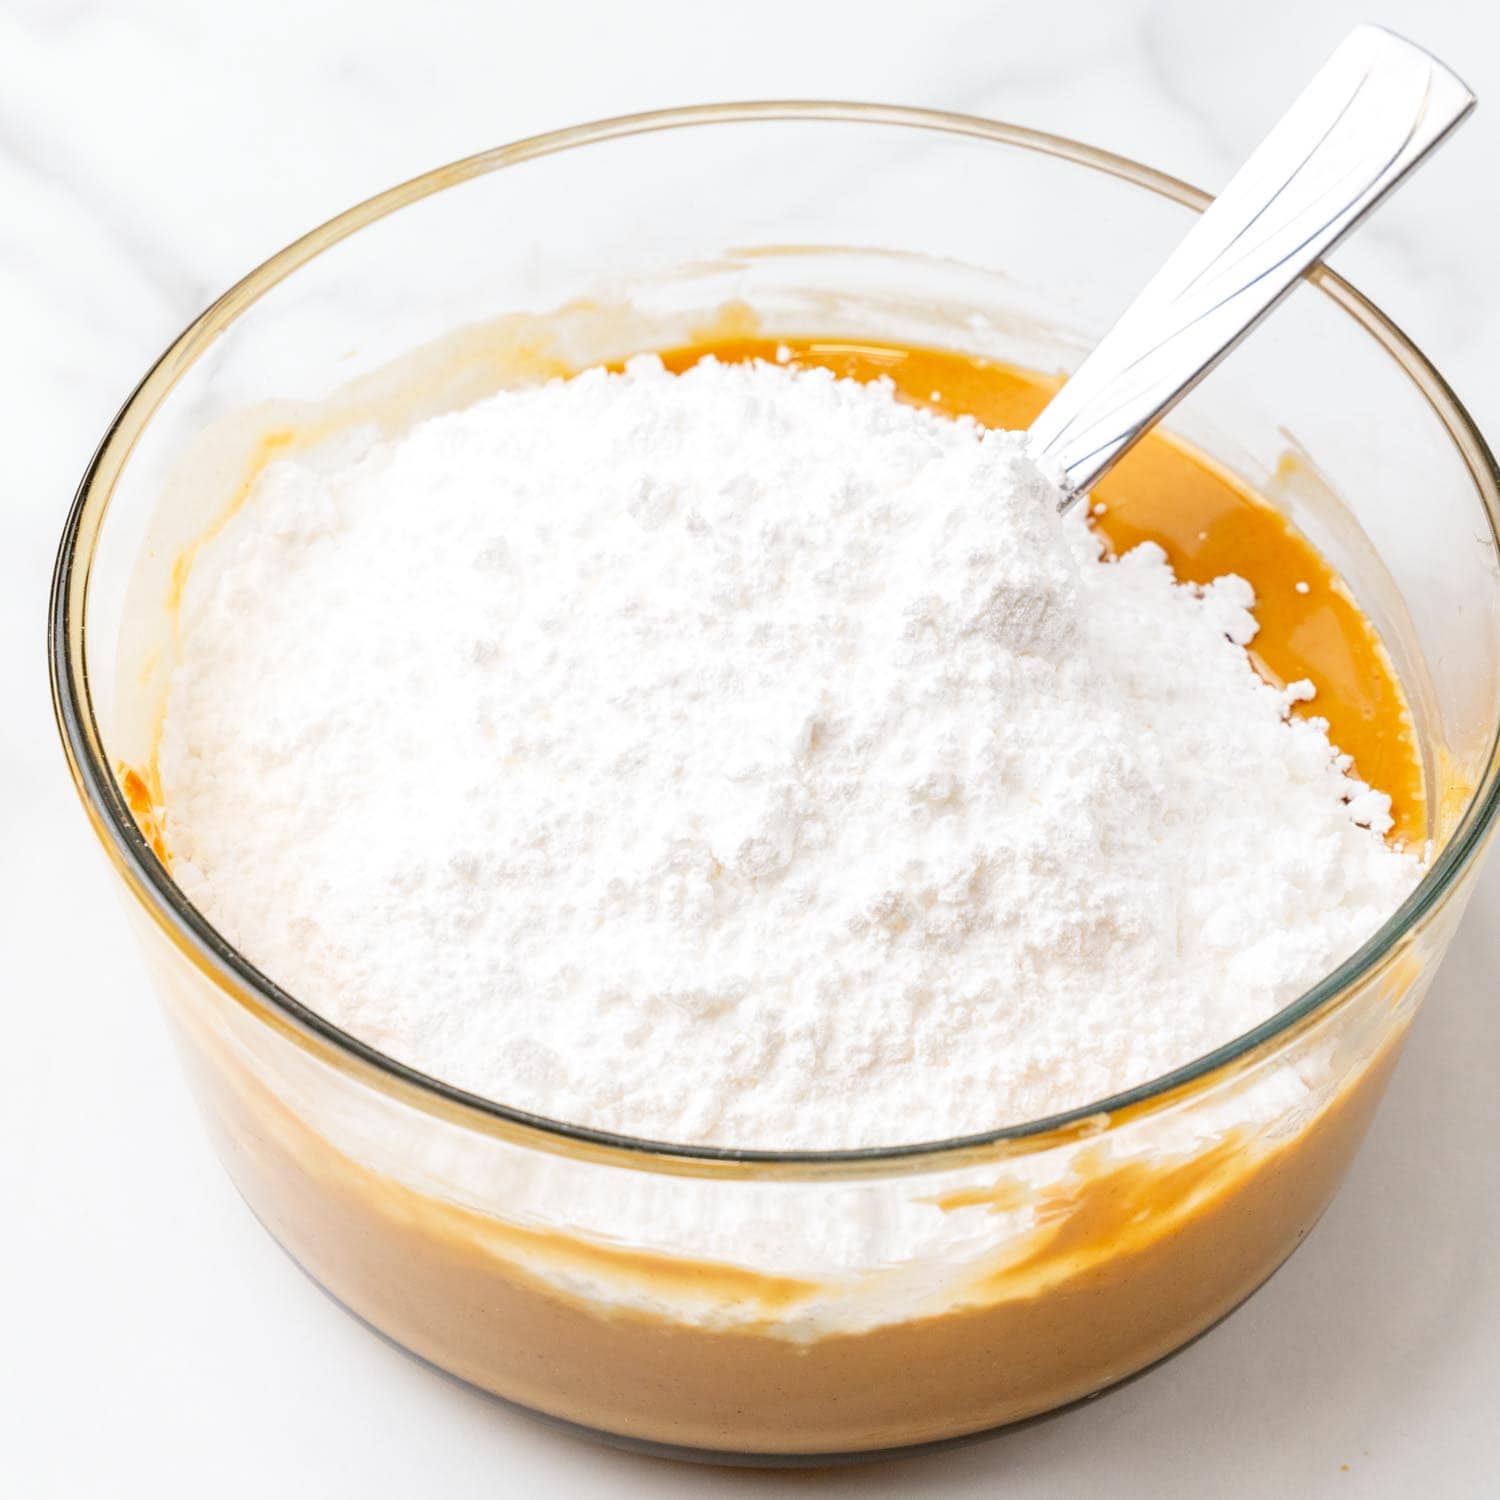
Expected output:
(754, 1305)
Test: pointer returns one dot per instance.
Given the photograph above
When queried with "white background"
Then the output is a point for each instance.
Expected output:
(155, 1341)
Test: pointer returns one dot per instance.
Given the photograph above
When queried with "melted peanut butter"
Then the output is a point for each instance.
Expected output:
(1127, 1261)
(1126, 1257)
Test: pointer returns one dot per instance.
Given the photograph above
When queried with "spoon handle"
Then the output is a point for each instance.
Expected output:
(1372, 113)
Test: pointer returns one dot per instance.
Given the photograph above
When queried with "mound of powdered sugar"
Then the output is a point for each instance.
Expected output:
(745, 757)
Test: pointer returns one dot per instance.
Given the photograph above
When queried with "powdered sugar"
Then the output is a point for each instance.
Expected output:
(746, 757)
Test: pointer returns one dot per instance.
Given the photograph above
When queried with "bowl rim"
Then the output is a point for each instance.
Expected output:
(231, 973)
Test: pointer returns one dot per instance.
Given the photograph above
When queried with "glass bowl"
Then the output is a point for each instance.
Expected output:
(751, 1305)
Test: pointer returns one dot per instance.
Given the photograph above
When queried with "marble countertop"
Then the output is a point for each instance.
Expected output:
(151, 153)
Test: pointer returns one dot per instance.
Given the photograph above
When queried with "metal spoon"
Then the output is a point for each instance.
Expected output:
(1371, 114)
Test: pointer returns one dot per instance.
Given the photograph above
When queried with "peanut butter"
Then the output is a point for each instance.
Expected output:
(1124, 1257)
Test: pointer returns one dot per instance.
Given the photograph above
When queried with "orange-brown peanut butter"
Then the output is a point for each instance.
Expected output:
(1125, 1260)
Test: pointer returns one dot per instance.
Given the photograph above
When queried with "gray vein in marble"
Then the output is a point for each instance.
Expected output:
(177, 284)
(1158, 39)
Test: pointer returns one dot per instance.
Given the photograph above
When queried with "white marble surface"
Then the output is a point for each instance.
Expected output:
(156, 1341)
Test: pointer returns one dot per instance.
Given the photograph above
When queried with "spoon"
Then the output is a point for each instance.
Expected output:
(1371, 114)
